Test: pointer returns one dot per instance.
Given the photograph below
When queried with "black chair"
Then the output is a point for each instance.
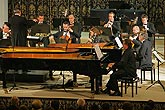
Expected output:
(129, 81)
(151, 70)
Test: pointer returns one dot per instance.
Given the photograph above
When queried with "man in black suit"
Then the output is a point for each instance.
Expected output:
(75, 26)
(145, 52)
(67, 35)
(18, 29)
(126, 67)
(148, 26)
(40, 29)
(111, 28)
(5, 35)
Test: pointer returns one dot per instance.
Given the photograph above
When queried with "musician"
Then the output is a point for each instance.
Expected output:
(75, 26)
(112, 27)
(67, 35)
(126, 67)
(18, 29)
(94, 35)
(148, 26)
(40, 29)
(145, 51)
(5, 35)
(135, 37)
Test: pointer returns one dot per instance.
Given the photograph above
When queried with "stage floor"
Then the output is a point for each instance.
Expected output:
(42, 90)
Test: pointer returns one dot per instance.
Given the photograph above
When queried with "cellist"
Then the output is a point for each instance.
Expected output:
(66, 35)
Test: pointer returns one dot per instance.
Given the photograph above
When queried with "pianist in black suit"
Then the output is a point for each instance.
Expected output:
(67, 35)
(5, 35)
(126, 67)
(111, 28)
(40, 29)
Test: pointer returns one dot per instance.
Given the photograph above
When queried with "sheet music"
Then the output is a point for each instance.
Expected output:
(33, 37)
(120, 45)
(158, 57)
(98, 51)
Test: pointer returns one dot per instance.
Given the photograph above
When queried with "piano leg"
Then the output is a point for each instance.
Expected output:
(75, 80)
(4, 78)
(74, 77)
(98, 84)
(92, 84)
(95, 83)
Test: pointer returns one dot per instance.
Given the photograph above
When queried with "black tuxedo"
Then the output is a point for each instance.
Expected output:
(150, 31)
(126, 67)
(114, 33)
(57, 37)
(77, 30)
(19, 30)
(5, 42)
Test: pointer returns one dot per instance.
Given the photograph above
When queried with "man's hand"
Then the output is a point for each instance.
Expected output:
(110, 65)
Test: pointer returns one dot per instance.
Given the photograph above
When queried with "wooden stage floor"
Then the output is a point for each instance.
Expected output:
(155, 93)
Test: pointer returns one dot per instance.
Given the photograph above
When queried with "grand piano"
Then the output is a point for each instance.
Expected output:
(56, 58)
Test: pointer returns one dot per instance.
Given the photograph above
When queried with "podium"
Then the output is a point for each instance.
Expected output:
(159, 59)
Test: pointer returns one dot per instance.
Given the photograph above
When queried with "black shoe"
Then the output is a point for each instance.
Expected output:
(116, 93)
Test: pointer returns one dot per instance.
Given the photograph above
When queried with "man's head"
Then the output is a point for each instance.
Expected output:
(6, 27)
(65, 26)
(17, 11)
(143, 36)
(144, 19)
(127, 43)
(40, 18)
(71, 18)
(111, 16)
(135, 29)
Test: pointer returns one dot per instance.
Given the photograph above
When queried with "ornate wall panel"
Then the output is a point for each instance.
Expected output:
(80, 8)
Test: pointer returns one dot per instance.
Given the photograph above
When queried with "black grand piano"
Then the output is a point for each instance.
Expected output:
(55, 59)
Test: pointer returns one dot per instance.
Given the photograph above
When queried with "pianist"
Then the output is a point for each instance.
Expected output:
(125, 67)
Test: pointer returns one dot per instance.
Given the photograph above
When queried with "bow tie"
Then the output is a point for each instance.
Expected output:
(144, 24)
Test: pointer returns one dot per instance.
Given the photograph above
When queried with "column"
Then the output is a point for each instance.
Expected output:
(3, 12)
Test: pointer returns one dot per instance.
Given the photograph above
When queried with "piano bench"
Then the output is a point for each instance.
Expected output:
(151, 70)
(127, 81)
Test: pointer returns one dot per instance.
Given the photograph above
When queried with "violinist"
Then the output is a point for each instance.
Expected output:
(75, 26)
(67, 35)
(5, 35)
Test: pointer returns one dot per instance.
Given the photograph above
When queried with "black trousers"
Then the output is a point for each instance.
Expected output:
(113, 83)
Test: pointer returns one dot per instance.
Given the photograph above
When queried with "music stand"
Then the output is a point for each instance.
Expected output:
(159, 59)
